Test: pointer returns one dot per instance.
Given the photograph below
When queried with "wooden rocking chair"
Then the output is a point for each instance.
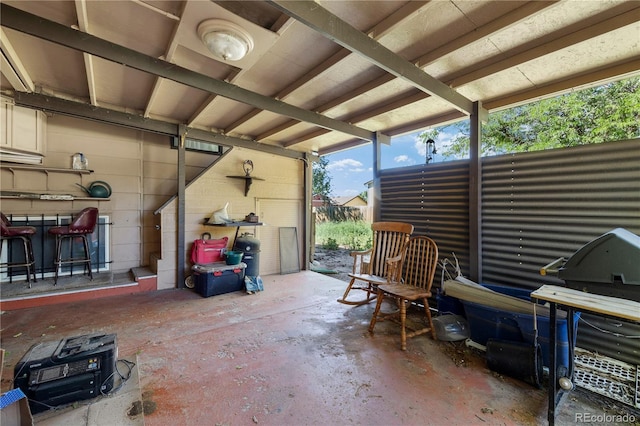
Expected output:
(370, 266)
(410, 279)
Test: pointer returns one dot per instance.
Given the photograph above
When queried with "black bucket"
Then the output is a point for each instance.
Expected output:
(515, 359)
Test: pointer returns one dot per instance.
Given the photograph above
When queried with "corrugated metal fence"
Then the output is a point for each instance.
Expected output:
(536, 207)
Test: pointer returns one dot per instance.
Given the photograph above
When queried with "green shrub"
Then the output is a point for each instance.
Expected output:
(331, 244)
(352, 235)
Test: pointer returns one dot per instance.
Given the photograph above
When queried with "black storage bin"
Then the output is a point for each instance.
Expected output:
(218, 278)
(250, 247)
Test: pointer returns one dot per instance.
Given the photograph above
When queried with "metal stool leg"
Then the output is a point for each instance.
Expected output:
(57, 262)
(26, 243)
(32, 259)
(87, 255)
(29, 258)
(86, 260)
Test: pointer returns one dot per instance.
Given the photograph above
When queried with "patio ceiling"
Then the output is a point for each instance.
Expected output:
(322, 76)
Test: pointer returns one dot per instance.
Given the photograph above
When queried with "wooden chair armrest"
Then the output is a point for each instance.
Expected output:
(393, 268)
(360, 253)
(358, 260)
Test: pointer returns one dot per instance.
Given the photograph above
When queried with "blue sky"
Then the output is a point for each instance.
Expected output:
(350, 170)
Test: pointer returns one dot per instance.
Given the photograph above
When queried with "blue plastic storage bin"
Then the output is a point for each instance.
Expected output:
(449, 305)
(487, 323)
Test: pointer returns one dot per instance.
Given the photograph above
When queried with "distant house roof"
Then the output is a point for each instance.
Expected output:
(349, 201)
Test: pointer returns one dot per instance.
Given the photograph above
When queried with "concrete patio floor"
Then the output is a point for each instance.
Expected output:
(290, 355)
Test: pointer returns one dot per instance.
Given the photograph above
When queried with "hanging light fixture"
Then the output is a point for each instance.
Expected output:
(431, 150)
(225, 40)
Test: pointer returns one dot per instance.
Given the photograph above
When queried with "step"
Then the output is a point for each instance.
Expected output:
(77, 288)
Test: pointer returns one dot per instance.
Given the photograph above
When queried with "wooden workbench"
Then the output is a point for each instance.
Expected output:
(581, 301)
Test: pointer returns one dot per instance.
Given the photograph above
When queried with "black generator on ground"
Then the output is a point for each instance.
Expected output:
(250, 248)
(68, 370)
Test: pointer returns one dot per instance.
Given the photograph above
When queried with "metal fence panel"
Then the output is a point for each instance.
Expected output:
(536, 207)
(543, 205)
(435, 200)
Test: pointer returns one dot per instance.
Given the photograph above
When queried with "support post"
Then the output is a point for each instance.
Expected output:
(475, 193)
(307, 217)
(377, 192)
(180, 219)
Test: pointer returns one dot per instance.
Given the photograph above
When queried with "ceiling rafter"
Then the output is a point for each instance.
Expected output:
(376, 32)
(624, 14)
(307, 136)
(83, 25)
(499, 24)
(76, 109)
(575, 34)
(505, 21)
(331, 104)
(404, 99)
(399, 101)
(449, 117)
(168, 56)
(157, 10)
(579, 32)
(301, 82)
(339, 31)
(600, 76)
(12, 67)
(392, 21)
(39, 27)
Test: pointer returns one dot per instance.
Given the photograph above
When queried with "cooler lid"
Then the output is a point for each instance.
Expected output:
(217, 267)
(613, 257)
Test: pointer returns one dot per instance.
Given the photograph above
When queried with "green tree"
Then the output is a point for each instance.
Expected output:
(602, 114)
(364, 195)
(321, 178)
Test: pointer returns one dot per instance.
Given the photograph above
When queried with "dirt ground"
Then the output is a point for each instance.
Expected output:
(339, 262)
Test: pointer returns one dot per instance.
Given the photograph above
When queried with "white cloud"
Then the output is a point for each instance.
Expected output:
(403, 159)
(346, 165)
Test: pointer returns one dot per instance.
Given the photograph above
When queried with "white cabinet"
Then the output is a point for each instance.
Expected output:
(22, 129)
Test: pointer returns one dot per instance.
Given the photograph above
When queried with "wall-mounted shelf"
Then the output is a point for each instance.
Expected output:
(47, 197)
(236, 225)
(248, 180)
(11, 166)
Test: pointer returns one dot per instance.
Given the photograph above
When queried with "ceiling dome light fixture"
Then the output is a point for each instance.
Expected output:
(225, 40)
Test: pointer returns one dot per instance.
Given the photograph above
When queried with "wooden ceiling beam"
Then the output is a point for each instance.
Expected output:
(592, 78)
(377, 31)
(321, 20)
(60, 34)
(13, 68)
(559, 40)
(83, 25)
(505, 21)
(499, 24)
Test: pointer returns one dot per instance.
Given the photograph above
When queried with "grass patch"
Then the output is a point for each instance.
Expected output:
(352, 235)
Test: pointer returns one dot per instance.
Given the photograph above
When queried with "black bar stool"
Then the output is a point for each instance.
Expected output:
(80, 227)
(24, 233)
